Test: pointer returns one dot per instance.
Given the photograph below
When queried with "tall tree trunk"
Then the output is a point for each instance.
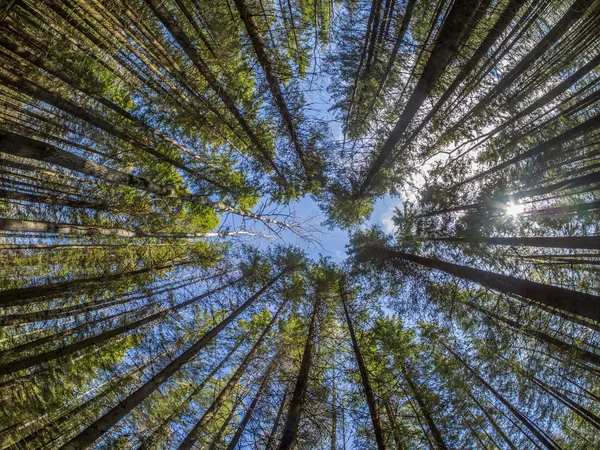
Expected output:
(562, 87)
(46, 65)
(264, 59)
(416, 394)
(452, 32)
(500, 201)
(364, 376)
(357, 76)
(39, 93)
(248, 415)
(24, 147)
(155, 436)
(492, 421)
(48, 200)
(576, 351)
(524, 420)
(569, 135)
(110, 418)
(40, 437)
(578, 303)
(408, 12)
(569, 242)
(577, 9)
(292, 422)
(30, 294)
(188, 47)
(102, 303)
(96, 340)
(394, 426)
(583, 412)
(334, 420)
(32, 226)
(196, 432)
(576, 208)
(495, 32)
(273, 433)
(216, 441)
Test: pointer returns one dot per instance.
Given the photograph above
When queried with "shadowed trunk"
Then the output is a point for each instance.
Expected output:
(452, 32)
(524, 420)
(364, 376)
(24, 147)
(290, 429)
(264, 59)
(248, 415)
(87, 437)
(433, 428)
(500, 201)
(96, 340)
(30, 294)
(569, 242)
(180, 409)
(574, 302)
(196, 432)
(273, 433)
(188, 47)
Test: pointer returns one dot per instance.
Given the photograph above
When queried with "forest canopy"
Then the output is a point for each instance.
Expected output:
(153, 157)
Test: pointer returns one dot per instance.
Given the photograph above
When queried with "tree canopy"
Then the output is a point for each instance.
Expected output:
(153, 157)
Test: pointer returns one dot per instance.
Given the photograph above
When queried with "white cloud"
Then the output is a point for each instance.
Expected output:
(386, 218)
(386, 221)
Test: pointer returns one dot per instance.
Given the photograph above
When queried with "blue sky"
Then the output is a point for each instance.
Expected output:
(332, 243)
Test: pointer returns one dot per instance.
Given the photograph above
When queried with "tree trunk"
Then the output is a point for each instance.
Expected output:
(550, 95)
(578, 303)
(48, 200)
(292, 422)
(248, 415)
(433, 428)
(30, 294)
(491, 420)
(156, 434)
(273, 433)
(53, 426)
(524, 420)
(266, 63)
(364, 376)
(500, 201)
(46, 96)
(188, 47)
(394, 426)
(573, 14)
(109, 419)
(216, 441)
(334, 420)
(96, 340)
(410, 5)
(24, 147)
(570, 134)
(70, 229)
(44, 64)
(357, 76)
(196, 432)
(495, 32)
(576, 351)
(102, 303)
(452, 32)
(569, 242)
(576, 208)
(584, 413)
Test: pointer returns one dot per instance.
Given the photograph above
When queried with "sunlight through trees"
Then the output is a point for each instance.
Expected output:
(153, 154)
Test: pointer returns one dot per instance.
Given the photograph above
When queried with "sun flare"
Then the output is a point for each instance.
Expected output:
(514, 209)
